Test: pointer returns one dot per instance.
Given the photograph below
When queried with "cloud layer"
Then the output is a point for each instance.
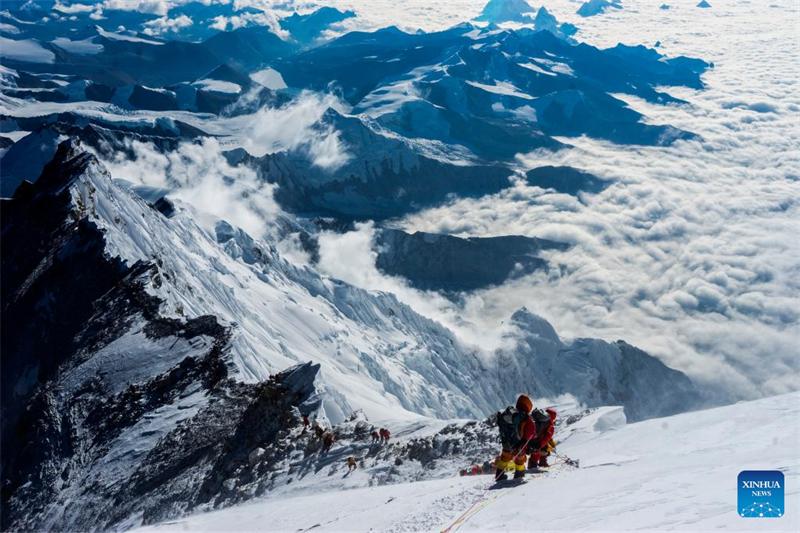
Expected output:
(694, 253)
(351, 257)
(294, 126)
(199, 174)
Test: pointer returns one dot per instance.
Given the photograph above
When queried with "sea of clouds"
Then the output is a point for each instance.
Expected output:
(693, 253)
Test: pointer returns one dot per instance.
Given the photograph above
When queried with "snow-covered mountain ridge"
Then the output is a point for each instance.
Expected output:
(164, 317)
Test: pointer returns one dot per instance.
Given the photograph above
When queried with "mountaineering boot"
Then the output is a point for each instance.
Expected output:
(519, 475)
(543, 462)
(500, 475)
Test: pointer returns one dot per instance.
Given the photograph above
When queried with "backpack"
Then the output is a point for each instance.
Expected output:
(542, 421)
(509, 422)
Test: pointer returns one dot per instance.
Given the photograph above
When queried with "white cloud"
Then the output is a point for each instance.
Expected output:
(295, 127)
(693, 254)
(268, 19)
(73, 8)
(165, 24)
(154, 7)
(200, 175)
(351, 257)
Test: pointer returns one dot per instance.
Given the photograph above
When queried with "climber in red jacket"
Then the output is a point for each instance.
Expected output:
(544, 439)
(517, 433)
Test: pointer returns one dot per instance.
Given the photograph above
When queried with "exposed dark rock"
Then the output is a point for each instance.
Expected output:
(67, 301)
(448, 263)
(144, 98)
(566, 180)
(383, 177)
(5, 142)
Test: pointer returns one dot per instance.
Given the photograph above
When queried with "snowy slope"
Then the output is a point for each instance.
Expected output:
(390, 361)
(377, 354)
(596, 372)
(676, 473)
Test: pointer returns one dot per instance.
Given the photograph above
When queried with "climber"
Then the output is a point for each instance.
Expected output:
(517, 431)
(351, 464)
(385, 435)
(306, 423)
(375, 436)
(545, 428)
(546, 451)
(318, 431)
(327, 441)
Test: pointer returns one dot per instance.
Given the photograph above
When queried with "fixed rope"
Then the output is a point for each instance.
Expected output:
(479, 498)
(567, 460)
(461, 521)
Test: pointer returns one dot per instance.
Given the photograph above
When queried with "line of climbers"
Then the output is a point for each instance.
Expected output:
(526, 436)
(381, 435)
(327, 437)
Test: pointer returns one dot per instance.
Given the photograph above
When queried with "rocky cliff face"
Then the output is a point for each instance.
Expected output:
(96, 381)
